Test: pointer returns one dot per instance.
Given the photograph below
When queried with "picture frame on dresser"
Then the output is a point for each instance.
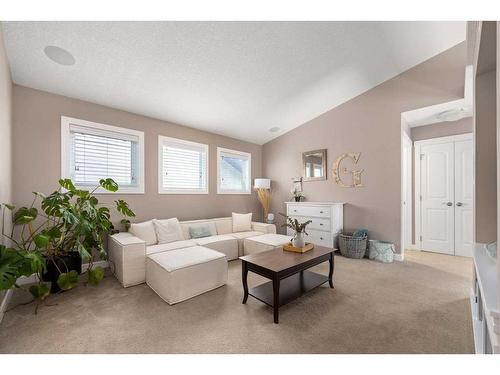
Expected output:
(327, 221)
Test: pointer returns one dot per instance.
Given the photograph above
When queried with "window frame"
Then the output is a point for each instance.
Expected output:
(66, 123)
(161, 189)
(249, 173)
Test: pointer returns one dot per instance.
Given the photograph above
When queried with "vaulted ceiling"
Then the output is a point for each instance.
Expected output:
(238, 79)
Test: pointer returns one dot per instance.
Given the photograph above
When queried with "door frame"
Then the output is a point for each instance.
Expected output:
(416, 156)
(409, 183)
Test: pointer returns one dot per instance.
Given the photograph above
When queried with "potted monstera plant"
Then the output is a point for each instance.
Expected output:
(51, 241)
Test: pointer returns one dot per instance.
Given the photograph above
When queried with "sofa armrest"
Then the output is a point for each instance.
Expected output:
(128, 255)
(263, 227)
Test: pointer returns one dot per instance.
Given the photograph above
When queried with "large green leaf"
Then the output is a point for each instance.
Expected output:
(24, 215)
(67, 184)
(41, 240)
(123, 208)
(35, 263)
(40, 291)
(55, 203)
(108, 184)
(95, 275)
(67, 280)
(10, 263)
(84, 253)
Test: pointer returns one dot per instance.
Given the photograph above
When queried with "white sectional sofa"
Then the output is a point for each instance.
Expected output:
(128, 251)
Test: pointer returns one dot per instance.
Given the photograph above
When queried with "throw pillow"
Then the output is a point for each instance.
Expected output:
(200, 231)
(242, 222)
(145, 231)
(168, 230)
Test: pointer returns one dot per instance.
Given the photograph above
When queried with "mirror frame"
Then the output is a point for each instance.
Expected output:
(323, 165)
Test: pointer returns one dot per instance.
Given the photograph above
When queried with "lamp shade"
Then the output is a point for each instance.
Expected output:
(262, 183)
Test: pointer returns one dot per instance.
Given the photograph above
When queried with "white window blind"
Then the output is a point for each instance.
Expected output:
(96, 151)
(233, 171)
(183, 167)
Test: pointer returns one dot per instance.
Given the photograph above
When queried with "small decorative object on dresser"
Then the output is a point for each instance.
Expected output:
(297, 195)
(327, 220)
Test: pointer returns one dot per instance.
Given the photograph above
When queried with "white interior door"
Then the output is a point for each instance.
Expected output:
(437, 197)
(464, 177)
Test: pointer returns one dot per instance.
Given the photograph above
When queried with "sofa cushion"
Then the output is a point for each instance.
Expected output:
(145, 231)
(242, 222)
(182, 258)
(251, 233)
(224, 225)
(225, 243)
(210, 224)
(200, 231)
(168, 230)
(169, 246)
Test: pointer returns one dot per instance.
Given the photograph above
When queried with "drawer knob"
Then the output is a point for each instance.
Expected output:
(321, 212)
(321, 224)
(321, 238)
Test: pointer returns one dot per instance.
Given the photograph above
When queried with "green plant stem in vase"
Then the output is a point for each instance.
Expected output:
(299, 230)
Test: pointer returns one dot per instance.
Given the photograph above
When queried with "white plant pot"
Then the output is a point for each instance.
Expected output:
(299, 240)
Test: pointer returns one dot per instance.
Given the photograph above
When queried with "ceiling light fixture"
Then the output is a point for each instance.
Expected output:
(274, 129)
(59, 55)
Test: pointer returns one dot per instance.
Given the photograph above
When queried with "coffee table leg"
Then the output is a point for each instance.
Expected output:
(330, 274)
(276, 299)
(244, 275)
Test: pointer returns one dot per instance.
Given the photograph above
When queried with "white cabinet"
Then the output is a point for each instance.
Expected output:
(484, 302)
(327, 221)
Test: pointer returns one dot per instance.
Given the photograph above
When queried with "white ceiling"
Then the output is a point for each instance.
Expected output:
(233, 78)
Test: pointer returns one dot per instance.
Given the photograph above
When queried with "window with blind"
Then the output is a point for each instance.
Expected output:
(91, 151)
(233, 171)
(183, 166)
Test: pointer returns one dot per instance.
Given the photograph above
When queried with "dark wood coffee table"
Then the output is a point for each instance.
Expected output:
(288, 274)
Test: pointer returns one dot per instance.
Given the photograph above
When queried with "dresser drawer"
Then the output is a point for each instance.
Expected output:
(316, 211)
(317, 223)
(320, 238)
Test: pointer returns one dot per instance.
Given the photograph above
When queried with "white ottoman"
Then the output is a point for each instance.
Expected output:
(178, 275)
(264, 242)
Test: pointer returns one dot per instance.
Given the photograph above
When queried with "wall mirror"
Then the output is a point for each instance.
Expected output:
(314, 165)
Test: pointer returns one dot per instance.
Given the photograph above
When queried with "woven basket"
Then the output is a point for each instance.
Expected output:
(352, 247)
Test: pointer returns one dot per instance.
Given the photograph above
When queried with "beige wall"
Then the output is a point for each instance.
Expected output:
(441, 129)
(486, 166)
(5, 129)
(370, 124)
(37, 156)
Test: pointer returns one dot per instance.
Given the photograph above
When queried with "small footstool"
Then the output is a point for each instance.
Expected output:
(264, 242)
(178, 275)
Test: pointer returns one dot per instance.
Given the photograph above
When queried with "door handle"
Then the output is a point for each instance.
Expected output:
(460, 204)
(448, 203)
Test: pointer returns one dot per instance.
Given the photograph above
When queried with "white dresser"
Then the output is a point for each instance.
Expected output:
(327, 221)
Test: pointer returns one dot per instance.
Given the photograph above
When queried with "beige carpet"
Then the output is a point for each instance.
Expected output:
(416, 306)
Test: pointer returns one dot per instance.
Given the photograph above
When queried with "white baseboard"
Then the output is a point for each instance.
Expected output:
(23, 280)
(4, 303)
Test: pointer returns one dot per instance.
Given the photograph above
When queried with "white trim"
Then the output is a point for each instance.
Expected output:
(66, 122)
(249, 174)
(451, 138)
(405, 136)
(161, 190)
(417, 146)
